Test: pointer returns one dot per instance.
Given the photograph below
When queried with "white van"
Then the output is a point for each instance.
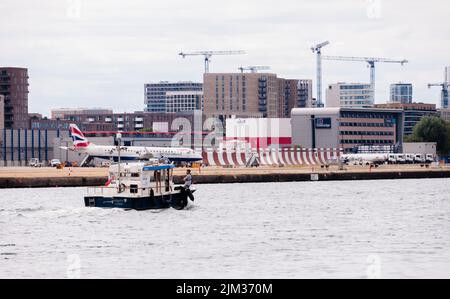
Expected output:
(401, 159)
(392, 159)
(429, 158)
(420, 159)
(409, 159)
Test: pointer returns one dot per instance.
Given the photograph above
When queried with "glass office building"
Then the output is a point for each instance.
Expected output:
(401, 93)
(156, 93)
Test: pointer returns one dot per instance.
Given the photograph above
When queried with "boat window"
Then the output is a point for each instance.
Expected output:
(133, 189)
(135, 175)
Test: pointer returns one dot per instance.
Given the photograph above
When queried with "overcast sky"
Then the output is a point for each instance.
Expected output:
(99, 53)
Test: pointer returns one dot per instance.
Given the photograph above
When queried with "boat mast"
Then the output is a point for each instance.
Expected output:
(119, 144)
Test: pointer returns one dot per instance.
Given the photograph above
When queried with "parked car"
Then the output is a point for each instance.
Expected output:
(34, 162)
(55, 163)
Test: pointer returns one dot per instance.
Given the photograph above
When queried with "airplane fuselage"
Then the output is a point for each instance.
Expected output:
(130, 153)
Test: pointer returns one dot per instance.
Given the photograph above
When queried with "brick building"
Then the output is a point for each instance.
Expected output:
(260, 95)
(14, 88)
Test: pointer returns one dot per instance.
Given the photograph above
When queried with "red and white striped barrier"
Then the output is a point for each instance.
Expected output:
(286, 156)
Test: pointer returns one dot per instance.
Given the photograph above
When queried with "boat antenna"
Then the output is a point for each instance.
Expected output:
(119, 145)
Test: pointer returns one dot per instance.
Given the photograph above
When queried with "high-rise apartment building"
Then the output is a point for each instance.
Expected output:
(401, 93)
(259, 95)
(305, 99)
(14, 88)
(156, 93)
(349, 95)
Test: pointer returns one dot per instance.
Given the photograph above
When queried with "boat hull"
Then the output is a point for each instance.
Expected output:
(178, 201)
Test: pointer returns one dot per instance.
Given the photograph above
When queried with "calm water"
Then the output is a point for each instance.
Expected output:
(389, 229)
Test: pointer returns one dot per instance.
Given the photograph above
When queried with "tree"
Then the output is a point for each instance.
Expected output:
(433, 129)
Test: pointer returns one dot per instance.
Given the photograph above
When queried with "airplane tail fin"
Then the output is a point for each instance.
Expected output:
(79, 140)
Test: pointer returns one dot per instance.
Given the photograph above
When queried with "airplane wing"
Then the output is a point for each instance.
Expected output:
(147, 155)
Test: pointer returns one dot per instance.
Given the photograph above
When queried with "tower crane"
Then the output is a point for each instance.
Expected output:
(317, 49)
(208, 54)
(444, 92)
(370, 60)
(253, 69)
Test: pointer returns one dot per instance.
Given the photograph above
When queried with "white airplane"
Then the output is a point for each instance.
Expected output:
(365, 158)
(129, 153)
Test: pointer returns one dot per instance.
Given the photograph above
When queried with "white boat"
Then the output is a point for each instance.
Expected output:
(140, 186)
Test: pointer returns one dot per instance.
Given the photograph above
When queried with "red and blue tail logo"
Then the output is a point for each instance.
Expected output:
(79, 141)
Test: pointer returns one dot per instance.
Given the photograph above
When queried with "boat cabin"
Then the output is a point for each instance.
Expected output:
(137, 180)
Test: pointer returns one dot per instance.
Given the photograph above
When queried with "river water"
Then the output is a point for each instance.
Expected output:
(358, 229)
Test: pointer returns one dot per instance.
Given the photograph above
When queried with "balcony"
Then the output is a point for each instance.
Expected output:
(120, 119)
(120, 126)
(108, 119)
(91, 120)
(139, 119)
(139, 126)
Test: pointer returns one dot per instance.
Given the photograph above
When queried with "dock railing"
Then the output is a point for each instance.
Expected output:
(102, 191)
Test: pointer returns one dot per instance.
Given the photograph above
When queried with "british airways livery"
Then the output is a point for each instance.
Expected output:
(129, 153)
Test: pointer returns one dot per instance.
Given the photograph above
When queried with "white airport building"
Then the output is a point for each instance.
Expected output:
(347, 128)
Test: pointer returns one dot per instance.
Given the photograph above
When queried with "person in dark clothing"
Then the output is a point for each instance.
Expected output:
(188, 179)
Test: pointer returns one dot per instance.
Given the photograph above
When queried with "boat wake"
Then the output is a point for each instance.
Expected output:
(28, 210)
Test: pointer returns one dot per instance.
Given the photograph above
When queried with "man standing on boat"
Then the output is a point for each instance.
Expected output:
(188, 179)
(187, 184)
